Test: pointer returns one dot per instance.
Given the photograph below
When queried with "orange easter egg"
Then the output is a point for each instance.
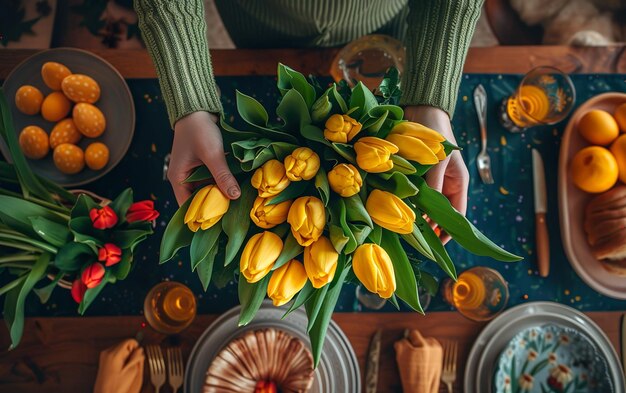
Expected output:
(28, 100)
(64, 131)
(53, 74)
(89, 120)
(33, 141)
(81, 88)
(69, 158)
(55, 106)
(96, 156)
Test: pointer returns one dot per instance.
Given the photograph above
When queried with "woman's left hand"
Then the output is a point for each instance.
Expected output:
(450, 176)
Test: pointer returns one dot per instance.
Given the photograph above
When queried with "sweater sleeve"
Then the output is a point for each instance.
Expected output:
(175, 35)
(438, 36)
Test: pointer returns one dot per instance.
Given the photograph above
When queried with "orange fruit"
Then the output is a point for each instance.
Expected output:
(96, 156)
(64, 131)
(33, 141)
(28, 99)
(620, 116)
(69, 158)
(598, 127)
(81, 88)
(594, 169)
(55, 106)
(618, 148)
(53, 74)
(89, 120)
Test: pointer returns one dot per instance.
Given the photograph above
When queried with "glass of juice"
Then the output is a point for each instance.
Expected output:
(169, 307)
(545, 96)
(479, 293)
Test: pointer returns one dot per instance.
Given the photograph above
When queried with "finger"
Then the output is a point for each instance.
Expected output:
(435, 176)
(224, 179)
(182, 191)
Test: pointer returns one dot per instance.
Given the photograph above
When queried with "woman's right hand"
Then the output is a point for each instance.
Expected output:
(198, 141)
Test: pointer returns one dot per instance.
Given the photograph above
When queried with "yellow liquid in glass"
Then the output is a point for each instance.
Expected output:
(479, 294)
(529, 106)
(170, 307)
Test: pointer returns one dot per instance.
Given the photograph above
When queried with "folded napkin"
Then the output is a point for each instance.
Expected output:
(120, 369)
(420, 361)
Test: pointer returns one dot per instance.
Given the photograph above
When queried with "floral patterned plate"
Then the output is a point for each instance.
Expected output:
(552, 358)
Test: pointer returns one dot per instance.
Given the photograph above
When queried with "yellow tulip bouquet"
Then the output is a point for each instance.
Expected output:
(329, 195)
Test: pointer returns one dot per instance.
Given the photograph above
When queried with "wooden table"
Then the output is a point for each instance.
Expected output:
(60, 354)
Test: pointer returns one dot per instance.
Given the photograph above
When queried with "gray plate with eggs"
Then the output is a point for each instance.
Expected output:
(116, 103)
(337, 371)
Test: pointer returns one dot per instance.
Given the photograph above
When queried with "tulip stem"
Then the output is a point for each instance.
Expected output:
(22, 265)
(17, 257)
(24, 239)
(19, 246)
(12, 285)
(61, 211)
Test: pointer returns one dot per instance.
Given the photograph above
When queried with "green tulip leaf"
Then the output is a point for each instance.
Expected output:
(289, 78)
(237, 134)
(15, 299)
(363, 99)
(251, 297)
(224, 275)
(338, 218)
(406, 284)
(73, 256)
(204, 268)
(92, 294)
(438, 208)
(323, 188)
(317, 332)
(401, 165)
(394, 112)
(45, 292)
(314, 134)
(360, 232)
(355, 211)
(129, 238)
(233, 225)
(396, 183)
(52, 232)
(390, 86)
(281, 230)
(294, 111)
(337, 237)
(82, 207)
(202, 243)
(394, 301)
(376, 234)
(251, 110)
(122, 268)
(293, 190)
(439, 251)
(84, 232)
(346, 151)
(121, 204)
(428, 281)
(418, 242)
(16, 213)
(314, 305)
(372, 125)
(199, 174)
(291, 249)
(303, 296)
(177, 235)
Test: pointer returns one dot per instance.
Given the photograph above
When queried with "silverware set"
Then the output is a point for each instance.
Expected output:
(450, 357)
(483, 161)
(158, 373)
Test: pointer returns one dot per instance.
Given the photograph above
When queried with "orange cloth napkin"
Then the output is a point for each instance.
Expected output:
(120, 369)
(419, 361)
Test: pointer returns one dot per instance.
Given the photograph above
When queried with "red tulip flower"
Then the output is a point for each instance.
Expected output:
(103, 218)
(92, 276)
(142, 211)
(78, 290)
(110, 254)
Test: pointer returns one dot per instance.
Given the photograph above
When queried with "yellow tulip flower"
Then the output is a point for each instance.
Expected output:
(206, 209)
(259, 255)
(345, 180)
(373, 267)
(390, 212)
(341, 128)
(268, 216)
(302, 164)
(374, 154)
(418, 143)
(270, 179)
(286, 282)
(320, 262)
(307, 217)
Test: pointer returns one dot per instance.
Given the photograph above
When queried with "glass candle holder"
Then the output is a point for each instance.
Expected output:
(169, 307)
(479, 293)
(545, 96)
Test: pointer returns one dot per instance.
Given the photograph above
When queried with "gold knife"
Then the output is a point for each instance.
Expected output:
(373, 358)
(623, 342)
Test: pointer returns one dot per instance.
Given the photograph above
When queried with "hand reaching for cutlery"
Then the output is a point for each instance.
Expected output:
(450, 176)
(198, 141)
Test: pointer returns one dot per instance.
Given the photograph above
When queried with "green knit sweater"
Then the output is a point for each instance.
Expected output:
(436, 34)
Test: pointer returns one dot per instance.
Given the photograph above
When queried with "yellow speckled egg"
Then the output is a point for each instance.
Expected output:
(55, 106)
(53, 74)
(89, 120)
(81, 88)
(34, 142)
(96, 156)
(69, 158)
(28, 99)
(64, 131)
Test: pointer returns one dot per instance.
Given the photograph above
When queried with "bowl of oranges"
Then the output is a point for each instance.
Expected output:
(592, 176)
(73, 113)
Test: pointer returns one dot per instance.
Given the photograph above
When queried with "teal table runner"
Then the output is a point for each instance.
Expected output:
(503, 211)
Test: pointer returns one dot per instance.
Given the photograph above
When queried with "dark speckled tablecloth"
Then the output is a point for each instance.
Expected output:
(503, 211)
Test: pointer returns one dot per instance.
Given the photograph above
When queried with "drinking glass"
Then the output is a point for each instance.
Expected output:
(169, 307)
(479, 293)
(545, 96)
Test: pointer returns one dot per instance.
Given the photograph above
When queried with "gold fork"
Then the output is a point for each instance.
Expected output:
(448, 374)
(175, 367)
(156, 364)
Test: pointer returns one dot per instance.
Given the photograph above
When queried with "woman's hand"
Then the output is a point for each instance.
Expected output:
(450, 176)
(198, 141)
